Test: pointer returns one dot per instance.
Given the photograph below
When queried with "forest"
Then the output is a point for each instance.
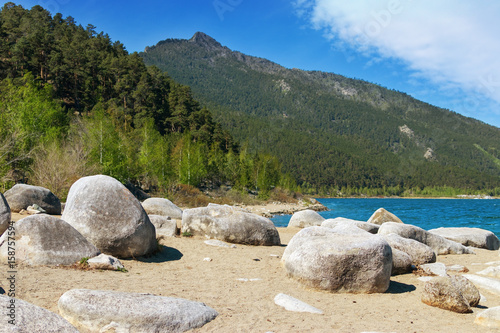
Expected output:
(75, 103)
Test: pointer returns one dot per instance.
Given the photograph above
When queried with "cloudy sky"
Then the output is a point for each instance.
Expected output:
(442, 52)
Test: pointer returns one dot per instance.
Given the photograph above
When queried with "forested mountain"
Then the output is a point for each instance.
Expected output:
(72, 102)
(330, 131)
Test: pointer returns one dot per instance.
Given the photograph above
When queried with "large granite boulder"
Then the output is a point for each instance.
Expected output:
(164, 225)
(332, 223)
(27, 317)
(113, 311)
(46, 240)
(305, 218)
(21, 196)
(454, 293)
(110, 217)
(321, 258)
(381, 216)
(418, 252)
(439, 244)
(5, 214)
(162, 207)
(401, 262)
(474, 237)
(230, 224)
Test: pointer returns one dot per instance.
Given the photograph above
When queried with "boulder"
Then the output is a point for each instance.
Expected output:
(113, 311)
(46, 240)
(305, 218)
(28, 317)
(5, 214)
(439, 244)
(381, 216)
(474, 237)
(418, 252)
(489, 318)
(20, 196)
(467, 289)
(106, 262)
(401, 262)
(163, 207)
(292, 304)
(442, 293)
(332, 223)
(230, 224)
(164, 225)
(321, 258)
(110, 217)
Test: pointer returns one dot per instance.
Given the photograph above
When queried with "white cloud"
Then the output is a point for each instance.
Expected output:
(449, 42)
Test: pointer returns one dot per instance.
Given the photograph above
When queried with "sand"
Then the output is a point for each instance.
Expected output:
(248, 306)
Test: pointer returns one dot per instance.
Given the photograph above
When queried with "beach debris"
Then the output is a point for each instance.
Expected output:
(381, 216)
(474, 237)
(439, 244)
(207, 259)
(20, 196)
(323, 259)
(106, 262)
(489, 318)
(216, 242)
(418, 252)
(445, 293)
(230, 224)
(293, 304)
(305, 218)
(485, 283)
(28, 317)
(97, 311)
(274, 255)
(332, 223)
(5, 214)
(164, 225)
(110, 217)
(47, 240)
(162, 207)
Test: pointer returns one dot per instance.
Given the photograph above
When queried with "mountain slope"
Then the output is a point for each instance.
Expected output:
(329, 130)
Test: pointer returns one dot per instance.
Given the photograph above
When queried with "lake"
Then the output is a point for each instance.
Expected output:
(424, 213)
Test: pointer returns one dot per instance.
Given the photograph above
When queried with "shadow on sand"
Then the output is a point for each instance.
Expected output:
(400, 288)
(163, 255)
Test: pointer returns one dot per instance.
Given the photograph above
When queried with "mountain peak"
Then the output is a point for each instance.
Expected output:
(205, 40)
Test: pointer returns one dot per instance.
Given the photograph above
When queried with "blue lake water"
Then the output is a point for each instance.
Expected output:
(425, 213)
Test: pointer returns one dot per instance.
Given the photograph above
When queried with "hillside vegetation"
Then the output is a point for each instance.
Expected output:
(73, 103)
(331, 133)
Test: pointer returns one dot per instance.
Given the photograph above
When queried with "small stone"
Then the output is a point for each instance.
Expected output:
(292, 304)
(207, 259)
(106, 262)
(216, 242)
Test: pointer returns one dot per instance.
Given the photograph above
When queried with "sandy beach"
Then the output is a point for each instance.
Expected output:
(241, 283)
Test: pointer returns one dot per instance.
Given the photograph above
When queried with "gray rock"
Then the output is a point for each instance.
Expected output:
(332, 223)
(164, 225)
(418, 252)
(106, 262)
(439, 244)
(474, 237)
(162, 207)
(103, 311)
(467, 289)
(29, 318)
(110, 217)
(292, 304)
(442, 293)
(489, 318)
(305, 218)
(401, 262)
(20, 196)
(436, 268)
(46, 240)
(381, 216)
(324, 259)
(230, 224)
(5, 214)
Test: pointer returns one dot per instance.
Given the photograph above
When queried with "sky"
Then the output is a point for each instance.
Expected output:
(445, 52)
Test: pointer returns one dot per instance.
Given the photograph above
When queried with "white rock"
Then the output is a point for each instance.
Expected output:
(216, 242)
(162, 207)
(484, 283)
(332, 223)
(436, 268)
(493, 271)
(207, 259)
(305, 218)
(474, 237)
(292, 304)
(97, 310)
(104, 261)
(164, 225)
(489, 317)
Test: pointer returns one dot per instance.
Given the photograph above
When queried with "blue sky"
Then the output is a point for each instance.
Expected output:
(442, 52)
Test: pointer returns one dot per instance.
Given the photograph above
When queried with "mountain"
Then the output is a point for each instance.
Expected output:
(330, 131)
